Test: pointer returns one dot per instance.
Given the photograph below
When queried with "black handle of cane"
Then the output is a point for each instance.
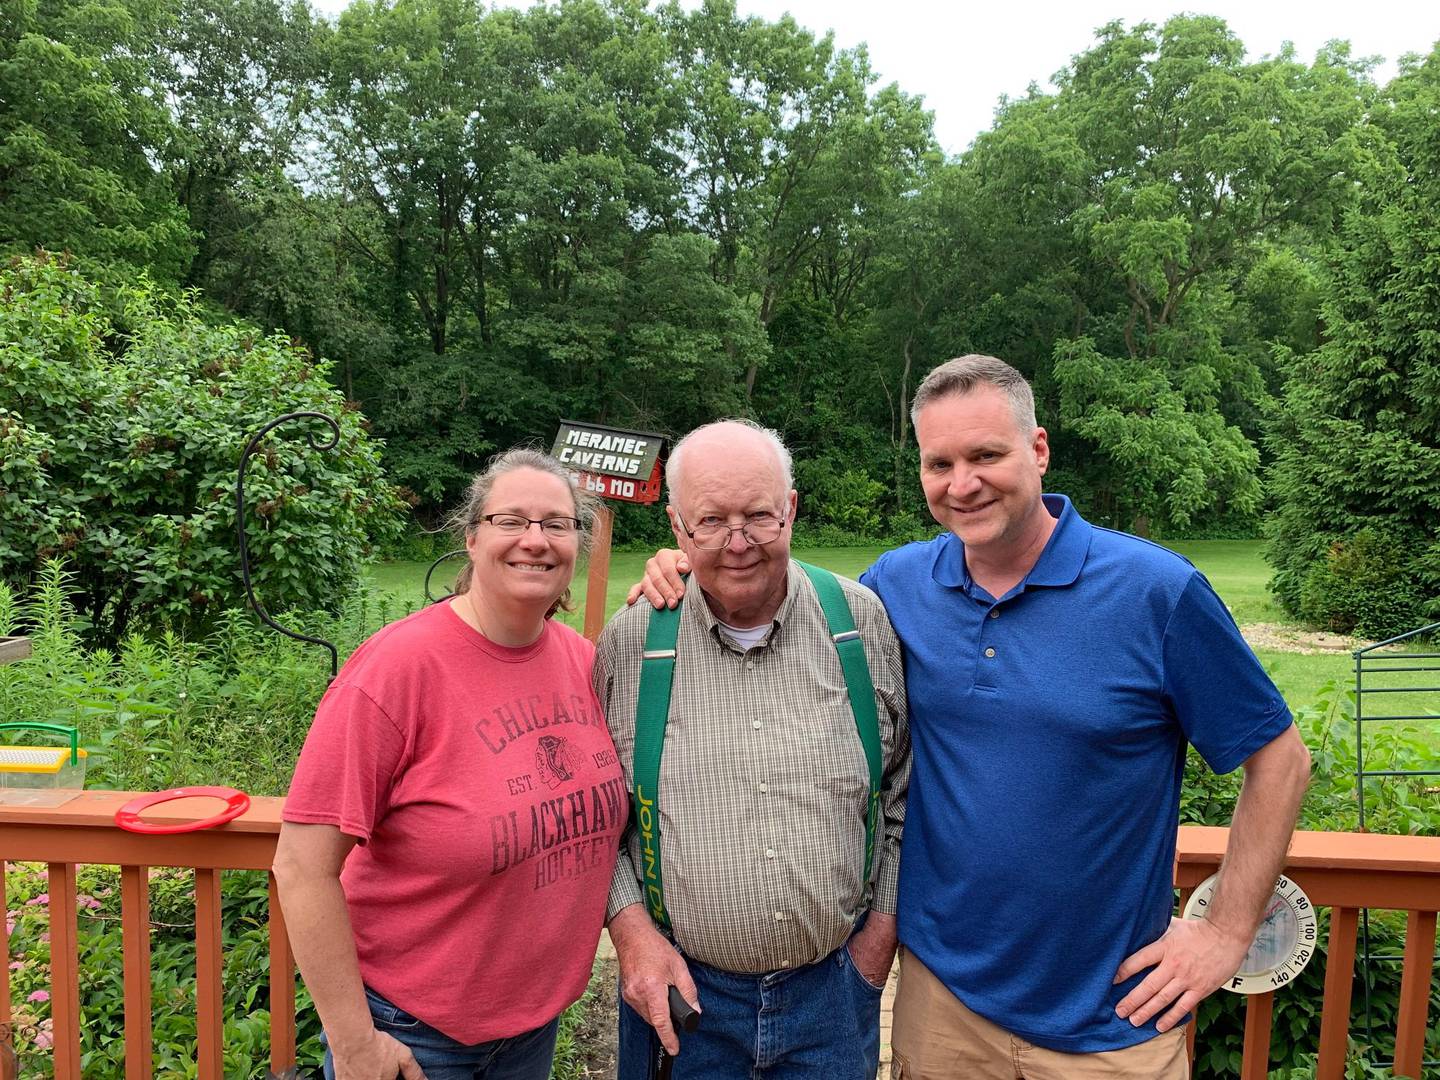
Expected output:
(685, 1019)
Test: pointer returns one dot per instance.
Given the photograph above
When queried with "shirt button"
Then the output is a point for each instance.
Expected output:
(764, 787)
(994, 613)
(769, 853)
(749, 663)
(779, 916)
(989, 652)
(756, 724)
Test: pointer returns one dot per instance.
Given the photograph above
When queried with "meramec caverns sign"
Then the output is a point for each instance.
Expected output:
(612, 463)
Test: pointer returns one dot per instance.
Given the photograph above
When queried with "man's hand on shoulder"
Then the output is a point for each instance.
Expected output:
(664, 581)
(649, 966)
(1190, 962)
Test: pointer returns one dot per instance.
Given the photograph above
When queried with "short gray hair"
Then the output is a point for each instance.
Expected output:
(960, 376)
(467, 516)
(678, 452)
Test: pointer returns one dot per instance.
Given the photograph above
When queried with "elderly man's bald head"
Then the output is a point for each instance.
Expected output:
(718, 442)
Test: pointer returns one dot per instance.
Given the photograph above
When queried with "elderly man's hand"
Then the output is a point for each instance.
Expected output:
(649, 966)
(664, 581)
(1191, 961)
(872, 948)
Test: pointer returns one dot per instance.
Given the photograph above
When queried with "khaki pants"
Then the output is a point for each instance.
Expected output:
(935, 1037)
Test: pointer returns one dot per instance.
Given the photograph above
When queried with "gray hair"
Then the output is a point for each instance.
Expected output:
(960, 376)
(467, 517)
(678, 453)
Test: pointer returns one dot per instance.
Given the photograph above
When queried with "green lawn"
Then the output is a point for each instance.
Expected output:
(1235, 567)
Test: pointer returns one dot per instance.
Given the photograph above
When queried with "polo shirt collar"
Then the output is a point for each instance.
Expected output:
(1059, 563)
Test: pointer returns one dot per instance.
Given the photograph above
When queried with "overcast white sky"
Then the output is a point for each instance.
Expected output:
(961, 56)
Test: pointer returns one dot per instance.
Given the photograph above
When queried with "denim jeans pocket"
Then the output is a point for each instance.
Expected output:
(850, 963)
(386, 1015)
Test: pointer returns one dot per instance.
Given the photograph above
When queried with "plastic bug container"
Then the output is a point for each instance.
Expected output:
(41, 775)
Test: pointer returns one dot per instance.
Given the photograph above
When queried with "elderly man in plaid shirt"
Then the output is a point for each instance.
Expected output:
(768, 896)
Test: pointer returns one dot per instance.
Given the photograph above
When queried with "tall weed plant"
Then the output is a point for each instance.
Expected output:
(158, 712)
(232, 708)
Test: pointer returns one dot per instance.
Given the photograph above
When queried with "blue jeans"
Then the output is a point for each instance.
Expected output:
(520, 1057)
(820, 1022)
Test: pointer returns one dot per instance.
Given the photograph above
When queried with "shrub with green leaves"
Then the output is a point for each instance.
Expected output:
(122, 418)
(1355, 536)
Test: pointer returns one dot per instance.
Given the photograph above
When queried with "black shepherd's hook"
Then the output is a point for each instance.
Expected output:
(456, 554)
(315, 444)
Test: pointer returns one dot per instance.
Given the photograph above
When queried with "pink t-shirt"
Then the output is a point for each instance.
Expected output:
(485, 791)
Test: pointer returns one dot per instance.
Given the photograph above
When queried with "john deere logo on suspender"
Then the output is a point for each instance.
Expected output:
(646, 814)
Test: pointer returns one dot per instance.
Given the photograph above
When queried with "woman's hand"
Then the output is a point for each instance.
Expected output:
(376, 1057)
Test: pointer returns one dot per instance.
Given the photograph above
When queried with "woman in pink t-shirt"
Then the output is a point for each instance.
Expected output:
(452, 824)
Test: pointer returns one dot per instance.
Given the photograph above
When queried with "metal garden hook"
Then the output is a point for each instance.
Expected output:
(250, 447)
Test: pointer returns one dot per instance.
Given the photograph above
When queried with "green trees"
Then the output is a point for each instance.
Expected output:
(122, 425)
(81, 118)
(652, 215)
(1145, 189)
(1355, 537)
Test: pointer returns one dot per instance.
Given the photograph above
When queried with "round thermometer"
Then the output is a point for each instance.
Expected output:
(1283, 945)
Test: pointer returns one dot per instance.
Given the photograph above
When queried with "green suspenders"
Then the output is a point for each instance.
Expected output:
(652, 711)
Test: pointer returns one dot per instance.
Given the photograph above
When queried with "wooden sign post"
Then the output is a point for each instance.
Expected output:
(613, 464)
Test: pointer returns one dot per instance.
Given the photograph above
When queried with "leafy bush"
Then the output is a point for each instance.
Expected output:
(1356, 443)
(121, 423)
(848, 498)
(230, 708)
(1363, 585)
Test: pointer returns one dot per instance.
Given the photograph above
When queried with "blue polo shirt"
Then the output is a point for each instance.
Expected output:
(1049, 729)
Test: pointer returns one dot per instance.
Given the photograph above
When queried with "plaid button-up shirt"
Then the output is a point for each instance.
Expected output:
(763, 783)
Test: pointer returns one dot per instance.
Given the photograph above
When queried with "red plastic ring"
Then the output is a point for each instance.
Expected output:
(128, 816)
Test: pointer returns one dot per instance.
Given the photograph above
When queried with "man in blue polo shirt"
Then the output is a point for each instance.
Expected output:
(1056, 672)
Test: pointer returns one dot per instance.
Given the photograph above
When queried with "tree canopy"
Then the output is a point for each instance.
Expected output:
(648, 215)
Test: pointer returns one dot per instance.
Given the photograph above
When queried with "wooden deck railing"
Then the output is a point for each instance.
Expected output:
(84, 831)
(1343, 871)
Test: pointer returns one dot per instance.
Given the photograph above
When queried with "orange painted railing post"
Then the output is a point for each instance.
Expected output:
(64, 971)
(1345, 872)
(1415, 982)
(1259, 1014)
(209, 1000)
(135, 941)
(282, 988)
(1339, 977)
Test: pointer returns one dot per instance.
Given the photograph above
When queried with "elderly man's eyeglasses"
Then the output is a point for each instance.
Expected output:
(551, 526)
(712, 535)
